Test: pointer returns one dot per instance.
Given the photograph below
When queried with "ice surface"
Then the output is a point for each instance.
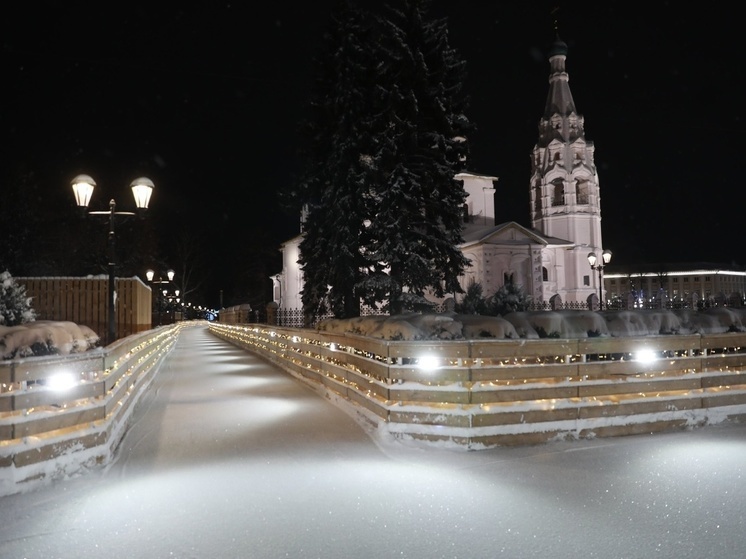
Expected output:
(230, 457)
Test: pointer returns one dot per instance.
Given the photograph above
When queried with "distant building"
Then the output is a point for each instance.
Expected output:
(694, 286)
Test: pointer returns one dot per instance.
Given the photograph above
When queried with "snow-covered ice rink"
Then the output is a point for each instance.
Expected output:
(231, 457)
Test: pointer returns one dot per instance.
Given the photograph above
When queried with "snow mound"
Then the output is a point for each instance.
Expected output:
(46, 337)
(558, 324)
(541, 324)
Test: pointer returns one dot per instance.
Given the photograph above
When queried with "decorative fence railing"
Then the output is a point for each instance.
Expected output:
(295, 318)
(557, 306)
(484, 393)
(76, 406)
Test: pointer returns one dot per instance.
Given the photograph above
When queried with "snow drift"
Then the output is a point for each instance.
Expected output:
(46, 337)
(541, 324)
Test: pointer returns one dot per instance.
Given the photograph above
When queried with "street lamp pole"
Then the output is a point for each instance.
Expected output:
(142, 189)
(150, 274)
(599, 265)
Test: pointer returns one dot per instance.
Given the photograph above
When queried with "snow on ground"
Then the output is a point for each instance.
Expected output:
(230, 457)
(561, 324)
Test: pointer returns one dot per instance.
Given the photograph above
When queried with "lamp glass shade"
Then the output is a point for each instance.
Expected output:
(170, 275)
(150, 274)
(592, 259)
(607, 256)
(83, 186)
(142, 189)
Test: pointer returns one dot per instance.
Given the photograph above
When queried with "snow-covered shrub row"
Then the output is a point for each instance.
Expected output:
(541, 324)
(46, 337)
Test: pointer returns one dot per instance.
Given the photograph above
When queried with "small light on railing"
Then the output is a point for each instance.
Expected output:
(427, 363)
(645, 356)
(61, 381)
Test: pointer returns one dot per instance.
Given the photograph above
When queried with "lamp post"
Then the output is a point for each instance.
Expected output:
(142, 189)
(150, 274)
(596, 265)
(173, 302)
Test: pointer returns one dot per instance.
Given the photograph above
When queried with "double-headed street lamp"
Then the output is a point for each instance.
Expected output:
(150, 275)
(596, 265)
(142, 189)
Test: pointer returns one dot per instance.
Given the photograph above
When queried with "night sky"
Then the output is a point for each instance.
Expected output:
(206, 102)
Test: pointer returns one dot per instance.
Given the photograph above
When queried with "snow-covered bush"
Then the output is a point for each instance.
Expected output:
(21, 335)
(473, 301)
(45, 337)
(541, 324)
(15, 306)
(509, 298)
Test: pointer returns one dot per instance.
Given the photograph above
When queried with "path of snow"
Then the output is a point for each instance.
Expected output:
(230, 457)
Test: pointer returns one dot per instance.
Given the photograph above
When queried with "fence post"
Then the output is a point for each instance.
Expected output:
(272, 313)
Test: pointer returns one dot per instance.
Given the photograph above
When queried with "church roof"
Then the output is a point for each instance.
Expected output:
(559, 100)
(508, 233)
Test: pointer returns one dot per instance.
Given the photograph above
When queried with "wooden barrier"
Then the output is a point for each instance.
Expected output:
(86, 301)
(239, 314)
(485, 393)
(49, 429)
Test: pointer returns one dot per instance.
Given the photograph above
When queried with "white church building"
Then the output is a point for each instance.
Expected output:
(549, 261)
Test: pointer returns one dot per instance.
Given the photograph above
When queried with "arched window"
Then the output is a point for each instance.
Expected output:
(581, 191)
(537, 200)
(544, 274)
(558, 196)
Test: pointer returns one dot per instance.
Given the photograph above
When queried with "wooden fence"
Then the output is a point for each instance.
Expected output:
(239, 314)
(484, 393)
(85, 301)
(75, 406)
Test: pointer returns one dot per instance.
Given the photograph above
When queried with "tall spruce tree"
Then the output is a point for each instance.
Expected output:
(418, 219)
(335, 177)
(386, 137)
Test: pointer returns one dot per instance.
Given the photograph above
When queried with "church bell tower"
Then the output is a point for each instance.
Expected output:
(565, 196)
